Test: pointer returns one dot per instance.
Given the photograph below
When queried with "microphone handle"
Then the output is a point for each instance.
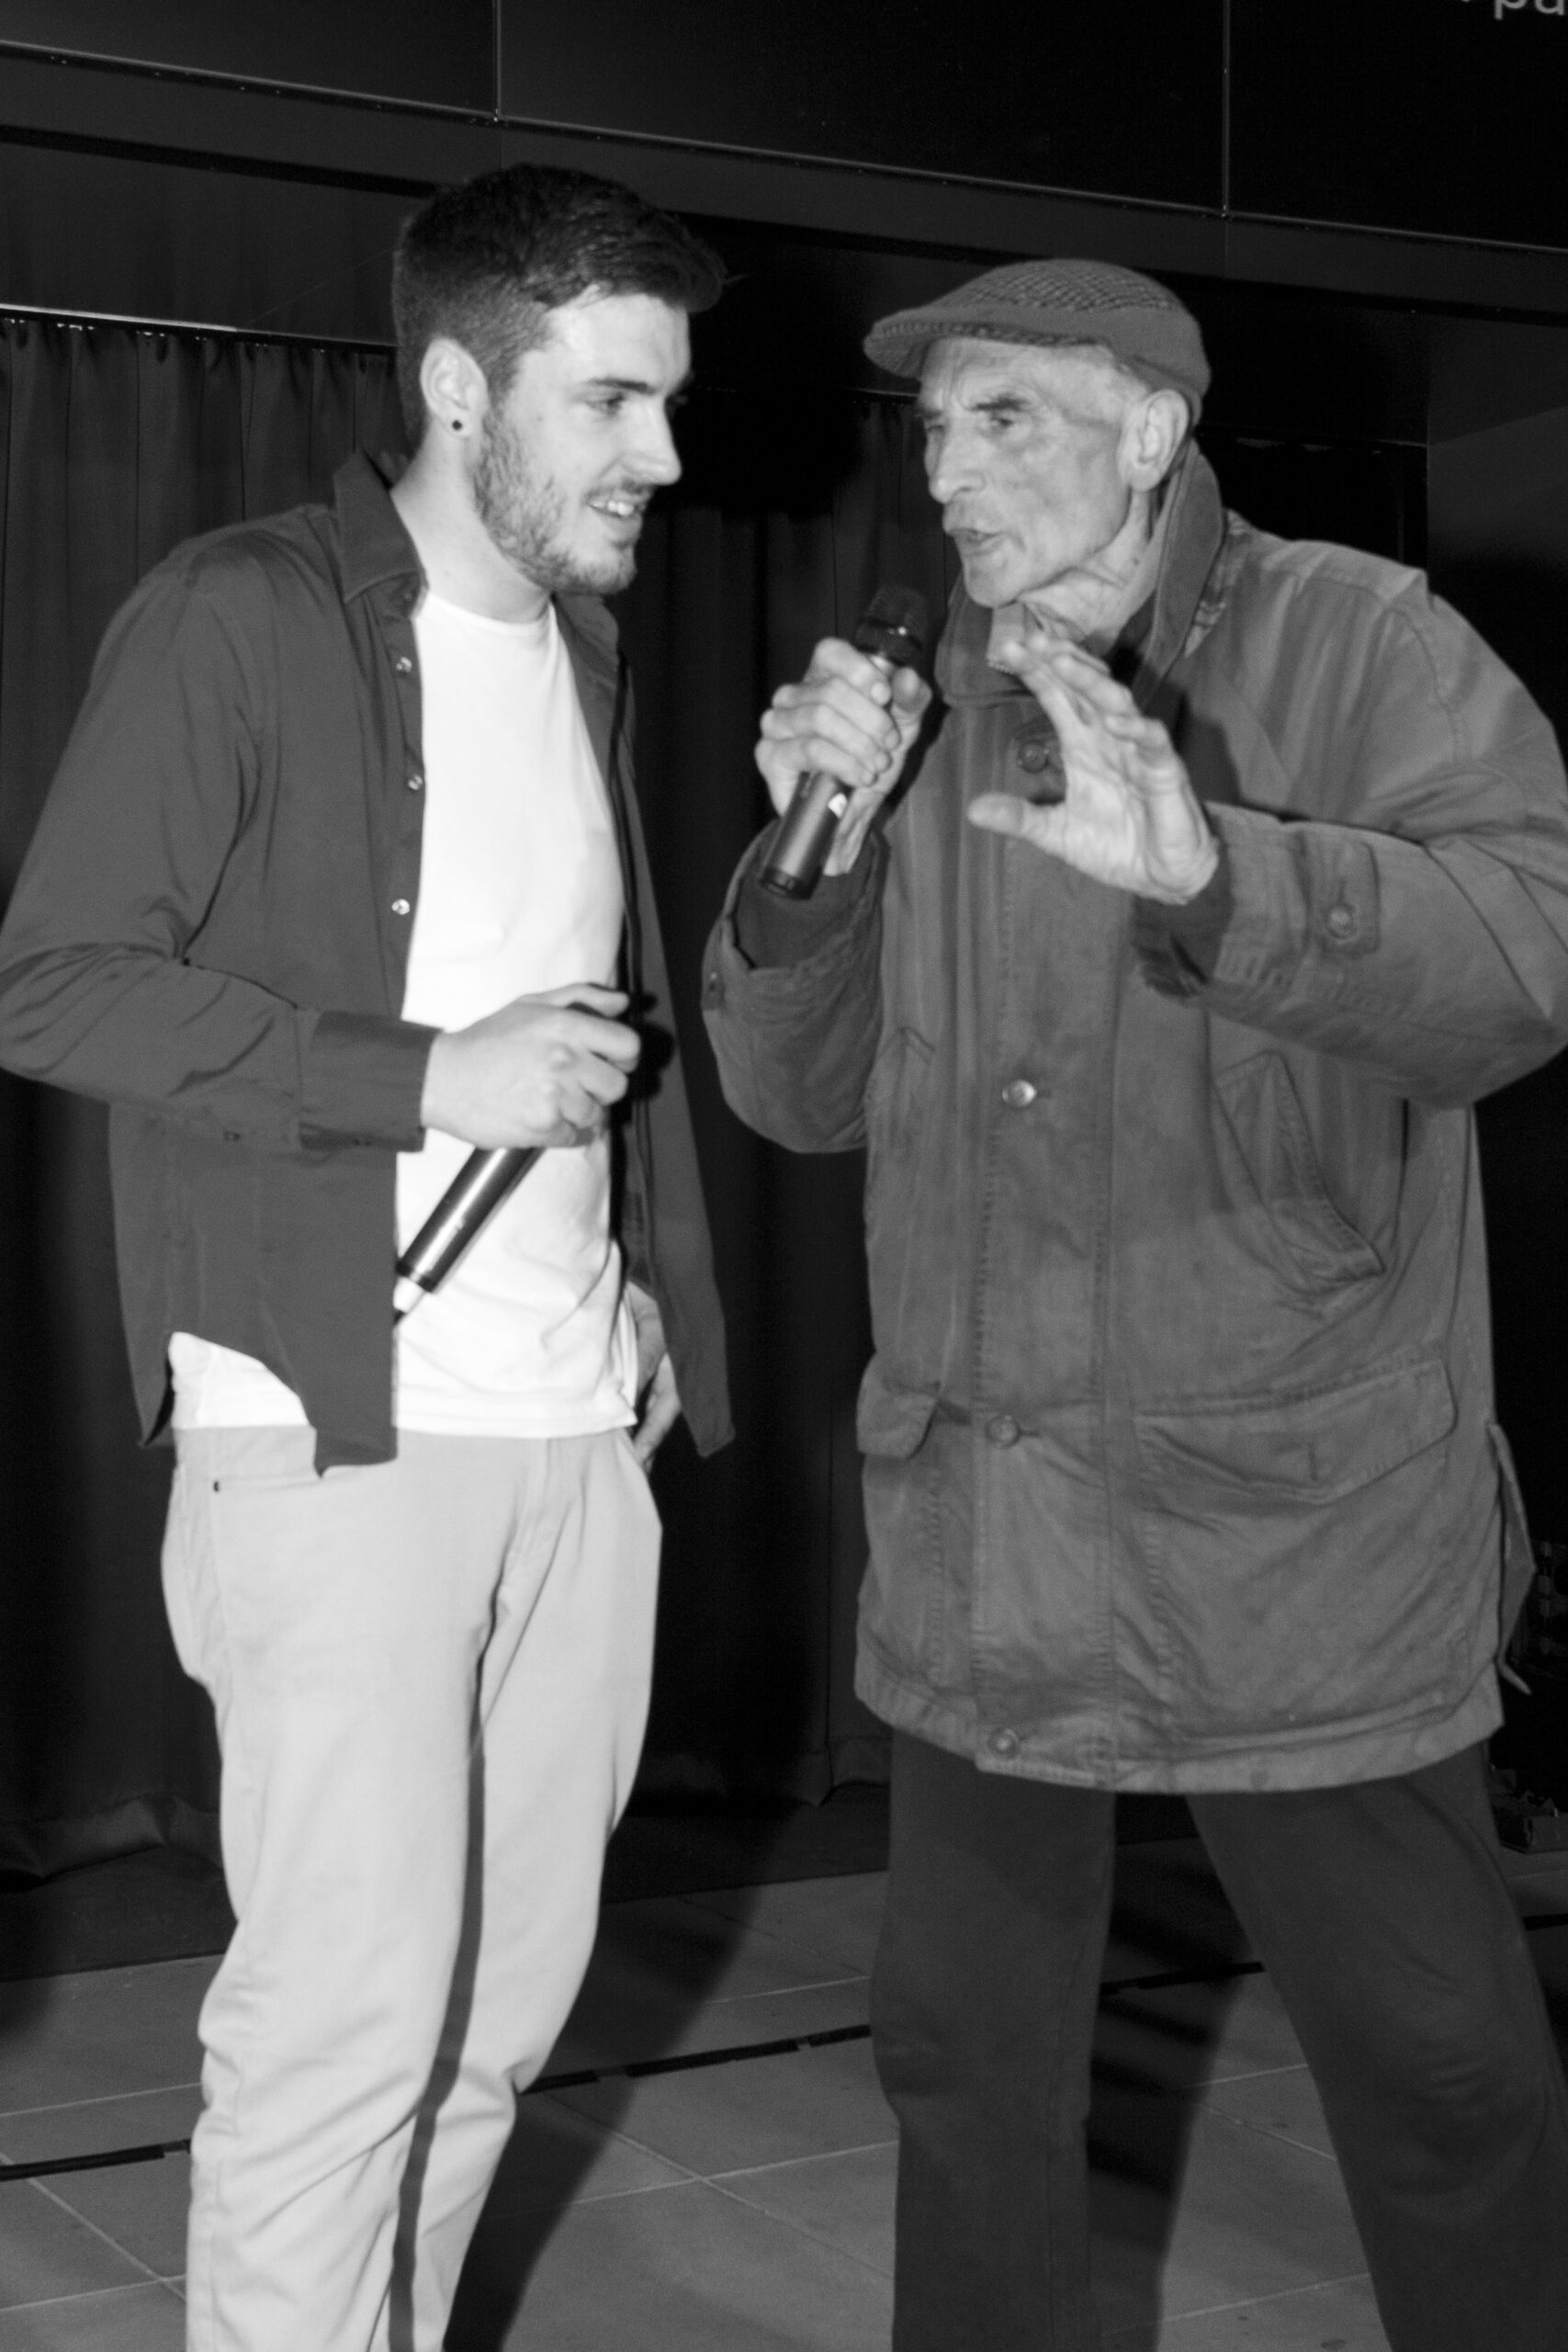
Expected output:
(805, 836)
(469, 1203)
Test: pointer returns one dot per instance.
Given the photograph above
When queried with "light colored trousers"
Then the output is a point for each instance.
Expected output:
(431, 1679)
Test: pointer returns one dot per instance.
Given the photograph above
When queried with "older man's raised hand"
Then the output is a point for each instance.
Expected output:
(1130, 817)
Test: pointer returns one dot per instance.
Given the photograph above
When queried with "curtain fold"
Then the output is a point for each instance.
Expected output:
(116, 444)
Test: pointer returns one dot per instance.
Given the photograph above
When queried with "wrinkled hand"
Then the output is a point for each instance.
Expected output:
(657, 1400)
(1130, 818)
(850, 718)
(544, 1069)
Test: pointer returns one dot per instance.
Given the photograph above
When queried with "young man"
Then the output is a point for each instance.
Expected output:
(1233, 873)
(342, 876)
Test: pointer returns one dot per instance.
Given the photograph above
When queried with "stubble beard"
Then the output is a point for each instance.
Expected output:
(524, 514)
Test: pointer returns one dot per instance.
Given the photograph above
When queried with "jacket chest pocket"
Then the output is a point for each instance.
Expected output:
(1311, 1243)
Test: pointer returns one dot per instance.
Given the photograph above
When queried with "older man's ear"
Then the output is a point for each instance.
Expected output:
(1152, 439)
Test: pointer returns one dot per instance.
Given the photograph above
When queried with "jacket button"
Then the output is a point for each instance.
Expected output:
(1003, 1743)
(1002, 1429)
(1342, 921)
(400, 906)
(1032, 755)
(416, 782)
(1020, 1094)
(402, 663)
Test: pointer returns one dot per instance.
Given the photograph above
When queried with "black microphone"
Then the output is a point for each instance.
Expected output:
(892, 630)
(471, 1198)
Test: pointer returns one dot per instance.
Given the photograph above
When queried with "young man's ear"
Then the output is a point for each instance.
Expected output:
(452, 382)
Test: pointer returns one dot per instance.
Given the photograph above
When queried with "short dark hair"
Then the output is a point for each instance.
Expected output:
(487, 262)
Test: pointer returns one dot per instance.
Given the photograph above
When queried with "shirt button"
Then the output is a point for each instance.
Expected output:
(400, 906)
(402, 663)
(416, 781)
(1004, 1743)
(1020, 1094)
(1341, 921)
(1002, 1429)
(1032, 755)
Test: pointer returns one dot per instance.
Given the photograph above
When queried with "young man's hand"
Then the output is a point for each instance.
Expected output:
(544, 1069)
(657, 1400)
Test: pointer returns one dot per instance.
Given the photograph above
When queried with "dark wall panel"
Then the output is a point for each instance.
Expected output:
(426, 52)
(1442, 115)
(1044, 95)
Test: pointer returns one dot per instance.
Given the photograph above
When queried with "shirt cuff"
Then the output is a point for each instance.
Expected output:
(1179, 947)
(771, 931)
(363, 1081)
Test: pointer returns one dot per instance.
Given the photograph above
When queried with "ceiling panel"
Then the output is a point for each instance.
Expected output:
(1121, 100)
(1446, 117)
(428, 53)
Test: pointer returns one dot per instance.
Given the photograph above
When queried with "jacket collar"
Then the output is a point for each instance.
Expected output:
(1193, 541)
(374, 546)
(591, 637)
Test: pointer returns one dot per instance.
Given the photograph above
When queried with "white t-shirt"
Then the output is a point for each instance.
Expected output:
(520, 891)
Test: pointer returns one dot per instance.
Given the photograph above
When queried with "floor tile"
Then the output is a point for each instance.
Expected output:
(138, 2319)
(619, 2025)
(45, 2250)
(1184, 2035)
(837, 1919)
(844, 2201)
(1539, 1881)
(556, 2154)
(1338, 2318)
(679, 2270)
(1244, 2214)
(134, 2119)
(699, 1954)
(142, 2207)
(1549, 1948)
(114, 2029)
(764, 2110)
(1169, 1912)
(1285, 2104)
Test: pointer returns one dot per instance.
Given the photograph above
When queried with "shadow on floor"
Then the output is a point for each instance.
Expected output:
(1170, 1920)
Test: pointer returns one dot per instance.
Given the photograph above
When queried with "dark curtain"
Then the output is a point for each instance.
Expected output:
(792, 509)
(115, 444)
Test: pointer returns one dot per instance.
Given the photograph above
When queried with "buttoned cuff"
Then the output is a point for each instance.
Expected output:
(1177, 947)
(771, 931)
(363, 1080)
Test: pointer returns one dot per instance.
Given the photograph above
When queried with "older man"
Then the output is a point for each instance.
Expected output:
(1231, 873)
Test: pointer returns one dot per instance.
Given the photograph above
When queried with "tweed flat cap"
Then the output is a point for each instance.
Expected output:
(1053, 301)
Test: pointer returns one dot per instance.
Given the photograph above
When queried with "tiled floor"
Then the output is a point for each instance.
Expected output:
(743, 2206)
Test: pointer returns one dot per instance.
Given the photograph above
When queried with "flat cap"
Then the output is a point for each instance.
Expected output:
(1057, 301)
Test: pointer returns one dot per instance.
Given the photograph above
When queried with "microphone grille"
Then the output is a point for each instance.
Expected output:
(895, 611)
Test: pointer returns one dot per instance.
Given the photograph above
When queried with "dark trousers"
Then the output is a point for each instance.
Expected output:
(1382, 1914)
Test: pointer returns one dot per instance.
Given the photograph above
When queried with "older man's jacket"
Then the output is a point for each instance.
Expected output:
(1181, 1470)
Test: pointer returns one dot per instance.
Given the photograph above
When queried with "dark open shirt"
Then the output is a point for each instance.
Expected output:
(210, 934)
